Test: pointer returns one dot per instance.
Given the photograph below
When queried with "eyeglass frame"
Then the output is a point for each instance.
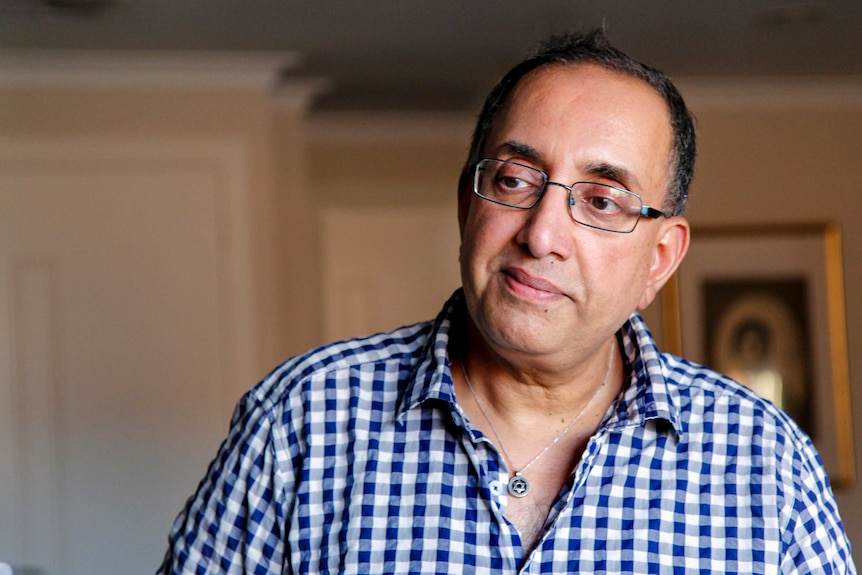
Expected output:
(644, 212)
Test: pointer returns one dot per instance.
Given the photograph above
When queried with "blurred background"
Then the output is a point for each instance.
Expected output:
(193, 191)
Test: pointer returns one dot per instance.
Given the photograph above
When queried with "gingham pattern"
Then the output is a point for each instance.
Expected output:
(355, 458)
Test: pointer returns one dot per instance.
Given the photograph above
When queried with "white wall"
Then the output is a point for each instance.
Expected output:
(140, 293)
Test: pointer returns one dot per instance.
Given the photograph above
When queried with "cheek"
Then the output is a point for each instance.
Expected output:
(637, 266)
(485, 234)
(625, 270)
(470, 252)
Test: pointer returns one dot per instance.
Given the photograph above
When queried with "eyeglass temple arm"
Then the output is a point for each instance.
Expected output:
(649, 212)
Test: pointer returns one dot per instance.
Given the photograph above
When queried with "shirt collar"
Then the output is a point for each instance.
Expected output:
(647, 396)
(431, 379)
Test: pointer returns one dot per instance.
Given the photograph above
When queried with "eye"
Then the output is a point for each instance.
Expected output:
(512, 178)
(512, 183)
(602, 202)
(508, 183)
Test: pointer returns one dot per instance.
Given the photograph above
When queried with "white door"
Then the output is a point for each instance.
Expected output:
(384, 267)
(112, 391)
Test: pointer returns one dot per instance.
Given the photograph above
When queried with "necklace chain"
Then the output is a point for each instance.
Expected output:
(518, 485)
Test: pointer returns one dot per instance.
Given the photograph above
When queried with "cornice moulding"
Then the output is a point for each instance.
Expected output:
(298, 94)
(828, 92)
(91, 68)
(390, 127)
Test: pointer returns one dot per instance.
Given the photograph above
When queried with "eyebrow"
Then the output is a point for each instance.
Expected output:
(612, 172)
(606, 170)
(520, 149)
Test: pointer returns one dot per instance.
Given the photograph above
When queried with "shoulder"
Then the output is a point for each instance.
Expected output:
(699, 399)
(275, 413)
(744, 440)
(759, 437)
(401, 347)
(388, 358)
(710, 400)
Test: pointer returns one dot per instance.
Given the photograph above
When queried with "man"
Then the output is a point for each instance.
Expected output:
(533, 426)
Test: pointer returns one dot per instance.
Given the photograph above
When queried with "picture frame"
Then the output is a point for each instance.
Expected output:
(765, 305)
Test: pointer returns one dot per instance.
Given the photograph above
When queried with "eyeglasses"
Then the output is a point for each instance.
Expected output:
(592, 204)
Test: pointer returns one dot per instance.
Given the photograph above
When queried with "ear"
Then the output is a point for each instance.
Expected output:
(668, 253)
(465, 196)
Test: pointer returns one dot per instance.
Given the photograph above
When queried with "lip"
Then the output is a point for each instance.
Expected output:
(522, 282)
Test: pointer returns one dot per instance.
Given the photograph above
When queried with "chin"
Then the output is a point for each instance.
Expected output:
(518, 330)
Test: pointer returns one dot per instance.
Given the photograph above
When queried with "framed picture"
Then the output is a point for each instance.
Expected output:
(765, 305)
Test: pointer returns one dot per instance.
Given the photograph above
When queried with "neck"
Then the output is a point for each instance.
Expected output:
(529, 398)
(535, 436)
(532, 386)
(580, 412)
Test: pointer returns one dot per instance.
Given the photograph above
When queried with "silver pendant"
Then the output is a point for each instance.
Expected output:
(519, 486)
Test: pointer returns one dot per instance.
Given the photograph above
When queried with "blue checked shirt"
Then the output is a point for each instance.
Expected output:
(356, 458)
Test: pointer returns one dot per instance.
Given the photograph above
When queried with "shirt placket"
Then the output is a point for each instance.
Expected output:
(563, 507)
(493, 479)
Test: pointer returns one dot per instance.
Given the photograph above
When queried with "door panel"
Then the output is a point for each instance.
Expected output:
(112, 391)
(387, 266)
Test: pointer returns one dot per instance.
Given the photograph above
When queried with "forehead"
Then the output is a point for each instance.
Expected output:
(574, 116)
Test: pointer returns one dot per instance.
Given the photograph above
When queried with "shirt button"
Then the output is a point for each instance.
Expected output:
(496, 488)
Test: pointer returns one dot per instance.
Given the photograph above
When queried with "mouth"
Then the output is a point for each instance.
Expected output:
(530, 286)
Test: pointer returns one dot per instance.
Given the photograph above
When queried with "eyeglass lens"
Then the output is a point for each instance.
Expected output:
(591, 204)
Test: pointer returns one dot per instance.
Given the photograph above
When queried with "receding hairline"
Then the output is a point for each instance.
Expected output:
(575, 48)
(623, 74)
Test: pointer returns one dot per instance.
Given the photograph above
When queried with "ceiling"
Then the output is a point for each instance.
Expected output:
(446, 54)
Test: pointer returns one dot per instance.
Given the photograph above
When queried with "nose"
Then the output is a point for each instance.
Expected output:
(547, 229)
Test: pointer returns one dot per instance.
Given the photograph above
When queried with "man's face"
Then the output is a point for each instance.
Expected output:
(537, 284)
